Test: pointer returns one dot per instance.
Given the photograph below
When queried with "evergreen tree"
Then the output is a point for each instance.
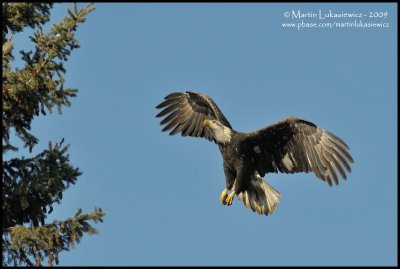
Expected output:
(32, 185)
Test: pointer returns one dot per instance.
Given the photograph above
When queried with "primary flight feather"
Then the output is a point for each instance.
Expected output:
(291, 145)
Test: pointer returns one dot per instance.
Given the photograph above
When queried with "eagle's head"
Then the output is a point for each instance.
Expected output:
(221, 133)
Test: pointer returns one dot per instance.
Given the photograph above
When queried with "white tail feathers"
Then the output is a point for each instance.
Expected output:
(260, 196)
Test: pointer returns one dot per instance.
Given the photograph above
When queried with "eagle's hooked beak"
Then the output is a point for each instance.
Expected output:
(207, 122)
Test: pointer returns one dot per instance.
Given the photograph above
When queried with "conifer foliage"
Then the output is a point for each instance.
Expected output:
(32, 185)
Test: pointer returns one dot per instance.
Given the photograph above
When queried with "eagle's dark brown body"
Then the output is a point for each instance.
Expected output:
(238, 162)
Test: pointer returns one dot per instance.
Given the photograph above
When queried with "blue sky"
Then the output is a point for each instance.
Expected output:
(161, 193)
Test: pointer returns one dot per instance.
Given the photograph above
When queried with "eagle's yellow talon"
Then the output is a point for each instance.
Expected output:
(223, 196)
(229, 199)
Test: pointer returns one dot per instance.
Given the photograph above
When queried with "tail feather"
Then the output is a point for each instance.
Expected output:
(260, 197)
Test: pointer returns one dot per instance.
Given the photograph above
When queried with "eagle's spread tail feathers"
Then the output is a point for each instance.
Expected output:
(260, 197)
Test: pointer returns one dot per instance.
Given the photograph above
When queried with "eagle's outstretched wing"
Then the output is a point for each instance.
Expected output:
(294, 145)
(185, 112)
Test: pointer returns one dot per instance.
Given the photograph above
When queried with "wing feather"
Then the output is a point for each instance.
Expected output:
(316, 166)
(305, 161)
(335, 158)
(193, 122)
(328, 164)
(170, 117)
(342, 149)
(294, 145)
(338, 166)
(168, 127)
(317, 158)
(168, 109)
(167, 102)
(340, 152)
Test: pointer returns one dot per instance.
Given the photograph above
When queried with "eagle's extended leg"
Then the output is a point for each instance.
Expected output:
(230, 178)
(229, 199)
(223, 196)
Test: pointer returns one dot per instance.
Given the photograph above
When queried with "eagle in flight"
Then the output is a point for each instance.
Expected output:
(291, 145)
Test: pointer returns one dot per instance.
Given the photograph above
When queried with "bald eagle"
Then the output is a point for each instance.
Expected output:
(291, 145)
